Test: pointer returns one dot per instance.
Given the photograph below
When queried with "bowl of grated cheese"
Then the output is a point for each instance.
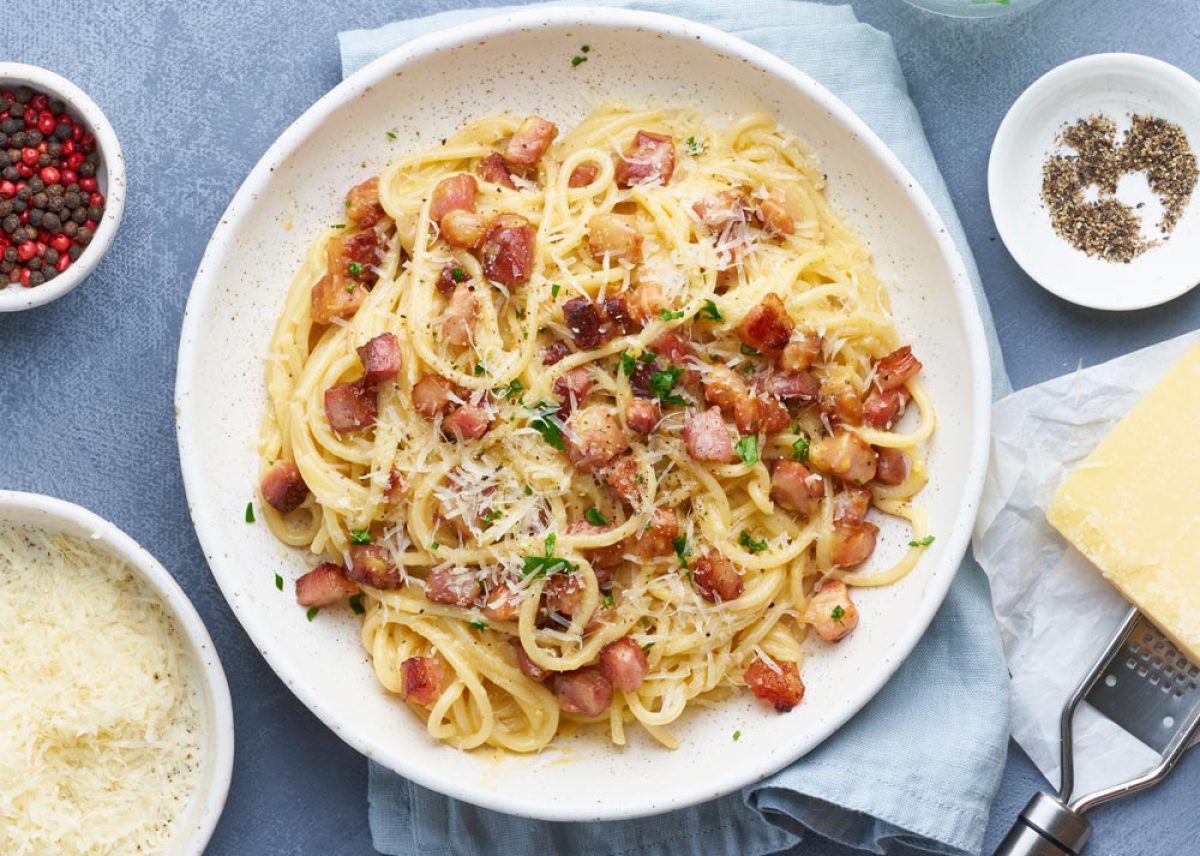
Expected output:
(117, 735)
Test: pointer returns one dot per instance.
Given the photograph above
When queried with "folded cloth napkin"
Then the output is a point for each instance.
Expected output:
(920, 764)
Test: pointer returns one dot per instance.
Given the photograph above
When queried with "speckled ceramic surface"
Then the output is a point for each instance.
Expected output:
(195, 825)
(422, 92)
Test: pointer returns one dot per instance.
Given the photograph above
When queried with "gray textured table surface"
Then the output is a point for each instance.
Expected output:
(197, 91)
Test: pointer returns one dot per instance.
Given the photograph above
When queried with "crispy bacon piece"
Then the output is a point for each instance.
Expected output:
(380, 359)
(650, 158)
(846, 456)
(445, 586)
(788, 385)
(583, 175)
(530, 141)
(646, 301)
(794, 487)
(585, 323)
(642, 415)
(283, 487)
(585, 692)
(853, 543)
(718, 212)
(851, 503)
(353, 257)
(774, 215)
(335, 297)
(563, 594)
(554, 352)
(494, 169)
(601, 558)
(572, 387)
(396, 490)
(771, 417)
(767, 327)
(463, 229)
(362, 204)
(462, 311)
(782, 688)
(724, 388)
(716, 578)
(614, 236)
(433, 396)
(501, 604)
(456, 193)
(450, 277)
(884, 407)
(893, 466)
(839, 401)
(623, 663)
(467, 422)
(802, 351)
(706, 437)
(621, 475)
(593, 438)
(616, 311)
(896, 368)
(657, 537)
(422, 680)
(831, 612)
(508, 249)
(674, 347)
(529, 668)
(350, 407)
(372, 565)
(324, 585)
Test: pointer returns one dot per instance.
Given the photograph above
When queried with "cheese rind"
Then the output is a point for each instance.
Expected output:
(1133, 506)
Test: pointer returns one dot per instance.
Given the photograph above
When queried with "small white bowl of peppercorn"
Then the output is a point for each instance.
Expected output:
(62, 186)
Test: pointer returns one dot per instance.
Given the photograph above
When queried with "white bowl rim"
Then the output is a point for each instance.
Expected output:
(293, 136)
(16, 298)
(209, 670)
(1022, 252)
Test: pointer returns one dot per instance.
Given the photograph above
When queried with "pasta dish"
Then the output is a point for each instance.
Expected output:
(589, 426)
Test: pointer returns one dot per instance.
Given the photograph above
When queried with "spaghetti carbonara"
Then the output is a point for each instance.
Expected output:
(588, 425)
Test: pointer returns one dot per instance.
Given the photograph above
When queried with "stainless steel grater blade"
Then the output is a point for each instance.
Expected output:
(1144, 684)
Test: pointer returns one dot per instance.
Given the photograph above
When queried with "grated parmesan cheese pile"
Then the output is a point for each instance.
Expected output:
(99, 720)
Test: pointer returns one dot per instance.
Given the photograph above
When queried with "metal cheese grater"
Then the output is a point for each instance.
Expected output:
(1143, 684)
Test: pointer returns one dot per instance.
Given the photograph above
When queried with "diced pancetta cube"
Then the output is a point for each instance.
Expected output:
(831, 612)
(463, 229)
(585, 323)
(458, 322)
(529, 668)
(372, 565)
(657, 536)
(896, 368)
(494, 169)
(851, 503)
(649, 159)
(422, 680)
(467, 422)
(774, 215)
(782, 688)
(623, 663)
(350, 407)
(508, 250)
(433, 396)
(706, 437)
(530, 141)
(616, 311)
(563, 594)
(449, 278)
(452, 587)
(795, 488)
(840, 402)
(572, 388)
(646, 301)
(600, 558)
(716, 578)
(456, 193)
(354, 257)
(283, 487)
(802, 351)
(324, 585)
(719, 211)
(614, 236)
(846, 456)
(853, 543)
(501, 603)
(893, 466)
(380, 359)
(584, 692)
(883, 408)
(593, 438)
(362, 204)
(336, 297)
(788, 385)
(767, 327)
(642, 415)
(554, 352)
(583, 175)
(622, 476)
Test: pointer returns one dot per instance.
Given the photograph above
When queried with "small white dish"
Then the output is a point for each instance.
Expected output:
(195, 826)
(1117, 85)
(110, 176)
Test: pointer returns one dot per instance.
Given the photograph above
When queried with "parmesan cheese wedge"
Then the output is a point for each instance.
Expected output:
(1133, 506)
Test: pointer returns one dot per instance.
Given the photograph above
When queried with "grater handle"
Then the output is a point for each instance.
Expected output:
(1046, 827)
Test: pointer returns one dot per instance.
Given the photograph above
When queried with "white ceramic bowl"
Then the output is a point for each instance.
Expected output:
(1116, 85)
(110, 176)
(196, 825)
(422, 92)
(973, 8)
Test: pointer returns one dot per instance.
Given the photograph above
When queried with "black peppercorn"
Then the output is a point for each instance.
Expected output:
(51, 255)
(54, 148)
(36, 278)
(24, 193)
(70, 228)
(75, 250)
(19, 205)
(72, 200)
(3, 140)
(51, 222)
(84, 237)
(54, 203)
(22, 94)
(95, 212)
(56, 106)
(45, 159)
(20, 235)
(10, 254)
(35, 184)
(79, 215)
(34, 136)
(10, 223)
(40, 198)
(10, 173)
(35, 217)
(87, 170)
(5, 208)
(34, 263)
(49, 273)
(7, 264)
(18, 140)
(63, 131)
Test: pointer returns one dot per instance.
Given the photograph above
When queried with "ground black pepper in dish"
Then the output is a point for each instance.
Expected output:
(1106, 227)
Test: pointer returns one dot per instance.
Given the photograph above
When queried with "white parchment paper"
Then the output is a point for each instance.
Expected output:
(1056, 613)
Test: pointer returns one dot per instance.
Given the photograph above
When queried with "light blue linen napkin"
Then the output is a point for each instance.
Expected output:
(921, 763)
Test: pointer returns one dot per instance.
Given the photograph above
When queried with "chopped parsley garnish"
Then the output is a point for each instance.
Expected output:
(479, 369)
(458, 274)
(279, 582)
(710, 312)
(646, 648)
(628, 363)
(594, 517)
(391, 135)
(837, 614)
(360, 536)
(356, 604)
(512, 391)
(668, 315)
(338, 226)
(577, 61)
(682, 550)
(750, 352)
(355, 268)
(750, 544)
(924, 542)
(647, 356)
(478, 625)
(312, 612)
(551, 540)
(661, 384)
(747, 449)
(584, 48)
(528, 490)
(737, 735)
(800, 450)
(434, 545)
(541, 566)
(350, 286)
(547, 423)
(694, 147)
(608, 601)
(555, 288)
(249, 512)
(489, 517)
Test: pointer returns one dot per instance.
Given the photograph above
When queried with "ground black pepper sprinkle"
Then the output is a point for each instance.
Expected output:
(1106, 227)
